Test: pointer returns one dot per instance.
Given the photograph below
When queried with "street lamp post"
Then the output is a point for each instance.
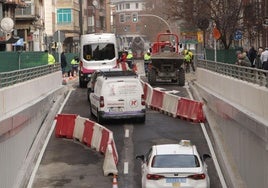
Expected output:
(152, 15)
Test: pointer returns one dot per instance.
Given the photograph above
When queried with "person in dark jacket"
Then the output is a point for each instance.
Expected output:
(63, 64)
(252, 54)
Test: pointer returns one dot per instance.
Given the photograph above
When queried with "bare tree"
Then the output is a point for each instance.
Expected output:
(153, 25)
(224, 14)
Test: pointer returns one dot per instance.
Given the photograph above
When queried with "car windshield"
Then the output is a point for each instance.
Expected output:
(175, 161)
(100, 51)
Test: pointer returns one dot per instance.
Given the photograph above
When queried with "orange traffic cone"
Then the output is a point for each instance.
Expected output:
(115, 185)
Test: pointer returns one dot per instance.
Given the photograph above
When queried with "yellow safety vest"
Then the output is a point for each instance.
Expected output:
(51, 59)
(130, 56)
(147, 57)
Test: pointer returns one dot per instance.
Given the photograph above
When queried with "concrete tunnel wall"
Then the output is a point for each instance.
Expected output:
(238, 117)
(24, 108)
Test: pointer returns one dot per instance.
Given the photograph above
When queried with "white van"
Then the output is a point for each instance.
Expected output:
(117, 95)
(98, 51)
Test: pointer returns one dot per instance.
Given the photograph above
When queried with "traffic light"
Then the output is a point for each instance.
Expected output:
(135, 17)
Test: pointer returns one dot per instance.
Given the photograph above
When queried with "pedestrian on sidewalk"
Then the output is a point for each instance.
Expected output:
(264, 59)
(63, 64)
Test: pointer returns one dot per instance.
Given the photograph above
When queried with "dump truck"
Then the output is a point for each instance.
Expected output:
(166, 61)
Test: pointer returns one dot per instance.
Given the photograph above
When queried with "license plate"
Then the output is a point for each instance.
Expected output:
(116, 109)
(175, 180)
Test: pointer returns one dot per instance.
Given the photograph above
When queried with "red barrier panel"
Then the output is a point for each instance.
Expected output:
(104, 140)
(190, 110)
(115, 154)
(145, 88)
(157, 99)
(65, 125)
(88, 132)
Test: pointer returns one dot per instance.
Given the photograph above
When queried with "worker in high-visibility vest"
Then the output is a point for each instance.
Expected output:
(51, 60)
(74, 64)
(130, 59)
(147, 60)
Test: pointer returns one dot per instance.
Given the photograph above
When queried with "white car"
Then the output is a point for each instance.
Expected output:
(174, 165)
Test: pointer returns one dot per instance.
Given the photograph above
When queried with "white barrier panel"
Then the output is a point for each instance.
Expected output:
(149, 94)
(96, 138)
(79, 128)
(109, 164)
(170, 103)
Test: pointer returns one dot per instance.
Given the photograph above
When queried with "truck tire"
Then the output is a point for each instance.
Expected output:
(152, 77)
(181, 77)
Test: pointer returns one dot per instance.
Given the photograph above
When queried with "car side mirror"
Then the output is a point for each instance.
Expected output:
(206, 156)
(140, 157)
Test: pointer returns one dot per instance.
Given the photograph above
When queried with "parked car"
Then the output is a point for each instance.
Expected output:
(174, 165)
(116, 95)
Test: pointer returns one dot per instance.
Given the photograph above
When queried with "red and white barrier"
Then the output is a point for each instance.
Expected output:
(79, 128)
(190, 110)
(88, 132)
(65, 125)
(169, 103)
(157, 99)
(92, 134)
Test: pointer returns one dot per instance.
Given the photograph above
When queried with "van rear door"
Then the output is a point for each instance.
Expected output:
(123, 95)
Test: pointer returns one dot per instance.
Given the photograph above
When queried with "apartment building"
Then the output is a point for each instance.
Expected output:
(53, 25)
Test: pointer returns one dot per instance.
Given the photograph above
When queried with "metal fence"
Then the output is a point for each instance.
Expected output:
(252, 75)
(14, 77)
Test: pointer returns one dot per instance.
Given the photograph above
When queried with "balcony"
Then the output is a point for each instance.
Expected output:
(25, 13)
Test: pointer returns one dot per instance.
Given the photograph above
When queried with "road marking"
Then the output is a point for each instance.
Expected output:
(213, 155)
(37, 164)
(126, 133)
(125, 167)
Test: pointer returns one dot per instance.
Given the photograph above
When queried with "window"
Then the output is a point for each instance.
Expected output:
(127, 17)
(102, 51)
(175, 161)
(137, 5)
(64, 16)
(121, 18)
(127, 6)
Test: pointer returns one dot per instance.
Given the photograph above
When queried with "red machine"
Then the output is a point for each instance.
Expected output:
(166, 61)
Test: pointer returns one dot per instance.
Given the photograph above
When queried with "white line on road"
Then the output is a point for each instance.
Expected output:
(37, 164)
(126, 133)
(213, 155)
(125, 167)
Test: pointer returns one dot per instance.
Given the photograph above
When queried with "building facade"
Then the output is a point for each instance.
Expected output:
(54, 25)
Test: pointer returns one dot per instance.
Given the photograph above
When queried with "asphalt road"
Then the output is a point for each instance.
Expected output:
(68, 163)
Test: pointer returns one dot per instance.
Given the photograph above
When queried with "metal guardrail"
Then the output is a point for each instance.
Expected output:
(14, 77)
(252, 75)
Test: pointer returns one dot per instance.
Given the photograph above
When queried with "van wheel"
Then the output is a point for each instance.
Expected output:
(99, 118)
(88, 93)
(90, 107)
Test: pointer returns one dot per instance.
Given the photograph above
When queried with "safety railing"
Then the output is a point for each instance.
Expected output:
(14, 77)
(252, 75)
